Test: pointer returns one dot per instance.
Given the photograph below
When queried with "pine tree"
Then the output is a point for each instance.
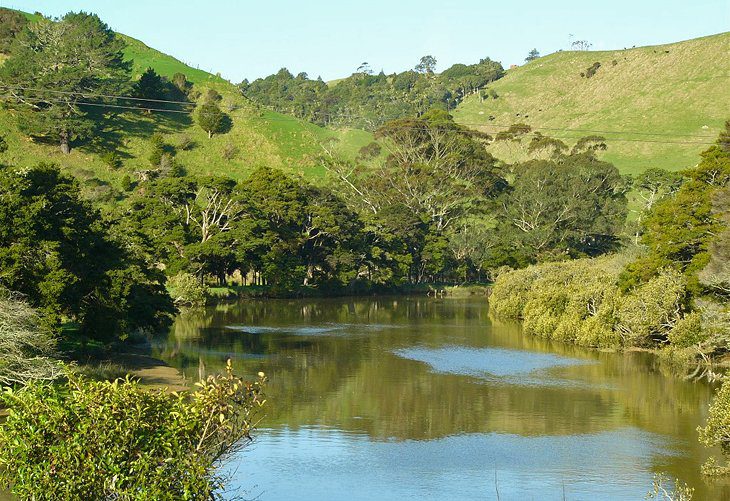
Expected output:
(56, 67)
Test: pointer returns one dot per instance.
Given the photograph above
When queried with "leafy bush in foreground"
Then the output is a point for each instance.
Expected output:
(104, 440)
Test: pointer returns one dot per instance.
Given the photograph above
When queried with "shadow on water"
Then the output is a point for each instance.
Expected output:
(418, 390)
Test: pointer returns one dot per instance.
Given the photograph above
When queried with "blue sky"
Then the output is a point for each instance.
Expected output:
(249, 39)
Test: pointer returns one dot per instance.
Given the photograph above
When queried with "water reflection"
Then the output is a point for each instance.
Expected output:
(432, 374)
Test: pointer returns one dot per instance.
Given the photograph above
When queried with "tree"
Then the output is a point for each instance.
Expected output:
(680, 228)
(68, 261)
(149, 86)
(211, 119)
(57, 66)
(581, 45)
(436, 168)
(427, 65)
(27, 348)
(574, 205)
(532, 55)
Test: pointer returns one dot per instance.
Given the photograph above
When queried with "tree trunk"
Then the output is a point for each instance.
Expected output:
(210, 134)
(65, 147)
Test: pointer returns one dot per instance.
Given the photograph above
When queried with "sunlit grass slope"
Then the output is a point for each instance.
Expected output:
(667, 95)
(258, 137)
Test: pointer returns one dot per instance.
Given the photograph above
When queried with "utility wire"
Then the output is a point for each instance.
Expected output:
(337, 116)
(290, 119)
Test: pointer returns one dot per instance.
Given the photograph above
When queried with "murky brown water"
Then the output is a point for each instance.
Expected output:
(418, 398)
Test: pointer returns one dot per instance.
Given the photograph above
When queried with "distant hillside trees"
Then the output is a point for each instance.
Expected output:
(581, 45)
(426, 65)
(56, 68)
(532, 55)
(368, 101)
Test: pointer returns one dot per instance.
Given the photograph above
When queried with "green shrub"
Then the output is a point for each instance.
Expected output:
(186, 290)
(717, 431)
(127, 183)
(687, 331)
(157, 149)
(104, 440)
(111, 159)
(648, 312)
(511, 292)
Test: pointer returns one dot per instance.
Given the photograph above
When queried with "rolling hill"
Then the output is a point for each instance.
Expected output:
(258, 136)
(672, 98)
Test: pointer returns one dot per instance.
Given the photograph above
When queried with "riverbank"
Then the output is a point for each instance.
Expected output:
(236, 292)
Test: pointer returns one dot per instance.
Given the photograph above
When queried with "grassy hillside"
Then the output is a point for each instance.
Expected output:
(258, 137)
(680, 92)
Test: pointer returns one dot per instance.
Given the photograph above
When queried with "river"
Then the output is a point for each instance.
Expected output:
(422, 398)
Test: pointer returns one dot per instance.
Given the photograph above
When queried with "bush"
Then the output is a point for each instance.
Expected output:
(717, 431)
(186, 290)
(186, 143)
(116, 440)
(592, 70)
(111, 159)
(230, 151)
(687, 331)
(27, 347)
(127, 183)
(511, 292)
(579, 301)
(648, 312)
(157, 149)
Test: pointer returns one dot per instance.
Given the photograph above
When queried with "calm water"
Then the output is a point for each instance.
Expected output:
(418, 398)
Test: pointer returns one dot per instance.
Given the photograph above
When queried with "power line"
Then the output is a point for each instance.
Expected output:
(331, 116)
(290, 119)
(92, 95)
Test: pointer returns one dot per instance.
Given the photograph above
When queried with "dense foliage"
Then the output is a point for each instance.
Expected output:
(573, 205)
(367, 101)
(71, 263)
(117, 440)
(579, 302)
(56, 68)
(716, 433)
(673, 294)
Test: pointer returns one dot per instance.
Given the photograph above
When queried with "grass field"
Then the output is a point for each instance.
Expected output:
(257, 138)
(672, 98)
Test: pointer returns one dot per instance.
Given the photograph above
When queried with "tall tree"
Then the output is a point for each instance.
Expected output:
(68, 261)
(149, 86)
(58, 66)
(427, 65)
(575, 205)
(532, 55)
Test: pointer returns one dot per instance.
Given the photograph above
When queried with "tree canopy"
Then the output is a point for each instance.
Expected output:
(56, 68)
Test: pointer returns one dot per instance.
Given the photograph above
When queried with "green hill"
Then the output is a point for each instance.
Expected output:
(258, 136)
(670, 96)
